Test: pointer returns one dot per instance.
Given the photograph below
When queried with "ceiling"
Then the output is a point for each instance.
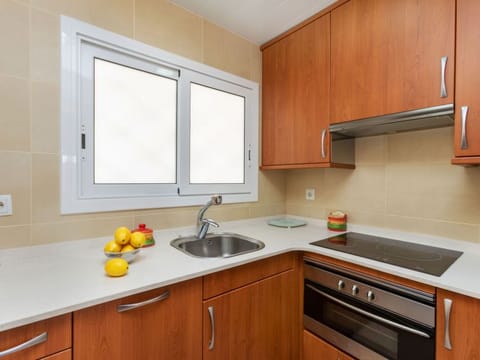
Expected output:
(255, 20)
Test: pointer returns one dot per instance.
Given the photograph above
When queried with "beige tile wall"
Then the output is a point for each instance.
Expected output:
(403, 181)
(29, 111)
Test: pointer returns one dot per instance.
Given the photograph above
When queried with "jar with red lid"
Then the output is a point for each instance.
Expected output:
(149, 240)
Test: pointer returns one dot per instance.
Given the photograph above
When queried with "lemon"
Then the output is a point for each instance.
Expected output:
(112, 246)
(116, 267)
(137, 239)
(127, 248)
(122, 235)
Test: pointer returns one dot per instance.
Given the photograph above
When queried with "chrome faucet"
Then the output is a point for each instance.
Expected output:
(204, 224)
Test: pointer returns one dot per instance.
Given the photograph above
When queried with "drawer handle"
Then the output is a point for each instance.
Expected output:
(443, 86)
(211, 314)
(447, 303)
(27, 344)
(127, 307)
(463, 136)
(324, 134)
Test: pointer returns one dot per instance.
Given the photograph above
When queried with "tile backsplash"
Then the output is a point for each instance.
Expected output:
(403, 181)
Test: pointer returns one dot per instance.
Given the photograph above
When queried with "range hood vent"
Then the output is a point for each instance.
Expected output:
(429, 118)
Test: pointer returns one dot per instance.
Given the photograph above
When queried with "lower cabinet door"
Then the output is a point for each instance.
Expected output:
(458, 326)
(315, 348)
(162, 324)
(258, 321)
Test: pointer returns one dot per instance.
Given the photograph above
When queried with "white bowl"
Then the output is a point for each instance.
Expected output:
(128, 255)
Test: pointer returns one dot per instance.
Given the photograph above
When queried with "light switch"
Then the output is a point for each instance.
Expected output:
(6, 205)
(310, 194)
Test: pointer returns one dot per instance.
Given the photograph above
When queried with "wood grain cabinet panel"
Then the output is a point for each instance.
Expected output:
(62, 355)
(463, 326)
(315, 348)
(168, 329)
(56, 332)
(258, 321)
(467, 83)
(386, 56)
(223, 281)
(296, 85)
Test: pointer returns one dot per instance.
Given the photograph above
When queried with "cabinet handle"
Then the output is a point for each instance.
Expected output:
(127, 307)
(463, 138)
(27, 344)
(443, 86)
(447, 304)
(324, 134)
(211, 314)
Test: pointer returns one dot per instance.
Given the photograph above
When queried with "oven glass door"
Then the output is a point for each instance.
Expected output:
(370, 331)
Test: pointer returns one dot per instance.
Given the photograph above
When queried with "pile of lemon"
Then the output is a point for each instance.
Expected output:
(123, 241)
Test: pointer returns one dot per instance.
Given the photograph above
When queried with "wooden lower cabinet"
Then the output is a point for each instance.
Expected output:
(315, 348)
(169, 328)
(53, 335)
(463, 326)
(257, 321)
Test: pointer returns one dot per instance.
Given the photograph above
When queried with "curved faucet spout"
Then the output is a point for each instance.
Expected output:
(202, 224)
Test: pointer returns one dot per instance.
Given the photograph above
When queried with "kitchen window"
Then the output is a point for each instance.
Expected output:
(143, 128)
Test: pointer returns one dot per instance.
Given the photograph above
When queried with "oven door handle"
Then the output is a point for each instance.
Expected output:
(370, 315)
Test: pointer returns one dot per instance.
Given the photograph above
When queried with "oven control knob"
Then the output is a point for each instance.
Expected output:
(354, 290)
(340, 285)
(370, 295)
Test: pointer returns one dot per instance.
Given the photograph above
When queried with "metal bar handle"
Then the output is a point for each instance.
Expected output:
(443, 86)
(371, 316)
(27, 344)
(447, 304)
(211, 314)
(127, 307)
(463, 136)
(324, 134)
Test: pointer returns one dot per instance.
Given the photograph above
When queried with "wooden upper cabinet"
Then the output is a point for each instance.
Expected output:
(296, 84)
(463, 326)
(386, 56)
(467, 83)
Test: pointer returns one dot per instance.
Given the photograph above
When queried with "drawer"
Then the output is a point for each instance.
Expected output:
(53, 335)
(223, 281)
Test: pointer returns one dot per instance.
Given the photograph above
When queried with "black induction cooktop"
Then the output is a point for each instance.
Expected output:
(427, 259)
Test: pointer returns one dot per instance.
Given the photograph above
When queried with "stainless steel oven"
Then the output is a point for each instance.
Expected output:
(366, 317)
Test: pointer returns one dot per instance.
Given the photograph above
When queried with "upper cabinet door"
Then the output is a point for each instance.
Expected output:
(467, 79)
(296, 84)
(387, 57)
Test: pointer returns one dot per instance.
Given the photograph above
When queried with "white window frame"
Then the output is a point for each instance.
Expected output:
(78, 193)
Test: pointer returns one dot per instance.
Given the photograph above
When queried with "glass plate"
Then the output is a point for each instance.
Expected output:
(286, 222)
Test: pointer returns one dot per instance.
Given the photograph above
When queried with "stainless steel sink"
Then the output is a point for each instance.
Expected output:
(217, 245)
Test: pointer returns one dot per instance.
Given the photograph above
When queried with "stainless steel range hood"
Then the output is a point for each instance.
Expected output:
(429, 118)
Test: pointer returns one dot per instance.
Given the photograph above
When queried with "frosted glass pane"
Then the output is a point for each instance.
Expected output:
(135, 126)
(216, 136)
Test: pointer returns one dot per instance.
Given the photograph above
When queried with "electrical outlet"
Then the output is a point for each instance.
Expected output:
(310, 194)
(6, 205)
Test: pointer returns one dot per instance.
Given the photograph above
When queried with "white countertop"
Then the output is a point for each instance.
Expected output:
(39, 282)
